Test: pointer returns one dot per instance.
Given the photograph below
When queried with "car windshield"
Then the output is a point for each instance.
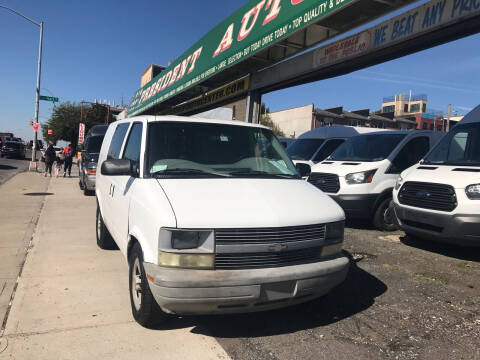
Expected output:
(191, 149)
(459, 147)
(376, 147)
(304, 149)
(94, 143)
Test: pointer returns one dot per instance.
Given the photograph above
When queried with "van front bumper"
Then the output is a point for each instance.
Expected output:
(459, 229)
(357, 206)
(189, 292)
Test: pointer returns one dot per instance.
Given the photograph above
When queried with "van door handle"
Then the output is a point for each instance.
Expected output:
(113, 190)
(110, 190)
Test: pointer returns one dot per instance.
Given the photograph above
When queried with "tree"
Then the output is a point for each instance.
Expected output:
(66, 117)
(266, 120)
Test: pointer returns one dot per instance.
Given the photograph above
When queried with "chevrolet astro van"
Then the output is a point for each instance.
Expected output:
(439, 199)
(213, 217)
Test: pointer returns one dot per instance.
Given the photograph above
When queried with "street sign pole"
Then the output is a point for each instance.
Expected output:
(37, 101)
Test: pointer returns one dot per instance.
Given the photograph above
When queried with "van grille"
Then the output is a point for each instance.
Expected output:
(269, 235)
(240, 261)
(428, 196)
(326, 182)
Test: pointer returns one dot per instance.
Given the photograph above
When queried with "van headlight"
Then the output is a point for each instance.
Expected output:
(473, 191)
(399, 182)
(363, 177)
(184, 248)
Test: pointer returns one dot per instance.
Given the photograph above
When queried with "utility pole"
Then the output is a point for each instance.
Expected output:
(449, 113)
(37, 100)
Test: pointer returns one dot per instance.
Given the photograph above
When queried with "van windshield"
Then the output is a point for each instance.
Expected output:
(459, 147)
(94, 143)
(303, 149)
(376, 147)
(189, 149)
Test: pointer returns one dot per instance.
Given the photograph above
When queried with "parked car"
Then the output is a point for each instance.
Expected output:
(439, 199)
(202, 211)
(13, 149)
(361, 173)
(316, 145)
(87, 167)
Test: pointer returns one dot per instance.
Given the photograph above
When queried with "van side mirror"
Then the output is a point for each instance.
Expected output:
(303, 169)
(119, 167)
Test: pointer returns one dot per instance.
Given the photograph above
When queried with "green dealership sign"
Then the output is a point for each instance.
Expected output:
(254, 27)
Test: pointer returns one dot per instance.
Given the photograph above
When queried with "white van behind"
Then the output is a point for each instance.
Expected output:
(317, 144)
(361, 173)
(440, 198)
(202, 211)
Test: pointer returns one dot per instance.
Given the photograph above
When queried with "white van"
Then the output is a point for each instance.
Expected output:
(440, 198)
(202, 211)
(361, 173)
(317, 144)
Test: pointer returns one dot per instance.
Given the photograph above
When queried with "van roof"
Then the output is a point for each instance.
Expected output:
(170, 118)
(337, 131)
(472, 116)
(407, 132)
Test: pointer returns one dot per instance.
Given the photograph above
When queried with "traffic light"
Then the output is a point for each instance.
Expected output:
(30, 122)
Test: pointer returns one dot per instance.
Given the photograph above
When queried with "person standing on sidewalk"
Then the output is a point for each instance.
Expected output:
(50, 157)
(68, 154)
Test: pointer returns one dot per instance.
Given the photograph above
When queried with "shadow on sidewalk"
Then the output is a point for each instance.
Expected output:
(356, 294)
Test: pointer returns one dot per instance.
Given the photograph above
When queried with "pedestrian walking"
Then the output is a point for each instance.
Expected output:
(50, 156)
(68, 154)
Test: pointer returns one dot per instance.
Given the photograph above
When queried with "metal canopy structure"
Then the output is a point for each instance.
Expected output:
(260, 34)
(433, 23)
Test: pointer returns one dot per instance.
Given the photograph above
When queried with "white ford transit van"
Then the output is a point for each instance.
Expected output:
(317, 144)
(361, 173)
(213, 217)
(439, 199)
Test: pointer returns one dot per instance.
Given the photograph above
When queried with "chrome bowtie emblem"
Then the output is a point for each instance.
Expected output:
(277, 247)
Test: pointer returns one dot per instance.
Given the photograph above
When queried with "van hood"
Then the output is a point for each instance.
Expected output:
(457, 176)
(248, 203)
(342, 168)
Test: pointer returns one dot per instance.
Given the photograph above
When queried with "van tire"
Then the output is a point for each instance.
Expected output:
(104, 239)
(381, 217)
(147, 312)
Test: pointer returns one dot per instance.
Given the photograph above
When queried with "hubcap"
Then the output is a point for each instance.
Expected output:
(137, 284)
(387, 216)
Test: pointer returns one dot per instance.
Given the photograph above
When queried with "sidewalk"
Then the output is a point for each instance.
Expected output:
(20, 202)
(72, 300)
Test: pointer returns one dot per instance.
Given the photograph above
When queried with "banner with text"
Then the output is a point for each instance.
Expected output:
(254, 27)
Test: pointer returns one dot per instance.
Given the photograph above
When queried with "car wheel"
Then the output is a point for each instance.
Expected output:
(145, 309)
(104, 239)
(384, 217)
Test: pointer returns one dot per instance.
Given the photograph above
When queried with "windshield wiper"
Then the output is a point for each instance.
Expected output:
(180, 171)
(258, 173)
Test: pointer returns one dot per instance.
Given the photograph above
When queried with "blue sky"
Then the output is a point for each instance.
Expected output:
(99, 48)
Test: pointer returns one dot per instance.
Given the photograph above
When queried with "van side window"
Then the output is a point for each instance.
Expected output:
(117, 141)
(134, 143)
(411, 153)
(327, 149)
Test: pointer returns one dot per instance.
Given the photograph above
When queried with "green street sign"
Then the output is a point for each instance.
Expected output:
(256, 26)
(48, 98)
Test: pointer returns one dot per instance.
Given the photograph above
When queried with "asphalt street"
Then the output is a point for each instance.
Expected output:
(403, 299)
(9, 167)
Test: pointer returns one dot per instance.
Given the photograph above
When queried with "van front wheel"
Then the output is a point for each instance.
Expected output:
(145, 309)
(383, 218)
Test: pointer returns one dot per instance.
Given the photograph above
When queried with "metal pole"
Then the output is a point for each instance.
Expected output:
(449, 113)
(37, 101)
